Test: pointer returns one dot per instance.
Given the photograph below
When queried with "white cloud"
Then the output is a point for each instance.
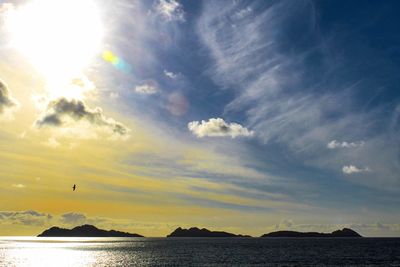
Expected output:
(170, 74)
(170, 10)
(350, 169)
(217, 127)
(335, 144)
(149, 87)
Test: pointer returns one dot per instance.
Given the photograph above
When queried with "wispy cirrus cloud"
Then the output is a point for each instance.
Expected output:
(217, 127)
(290, 99)
(242, 13)
(269, 87)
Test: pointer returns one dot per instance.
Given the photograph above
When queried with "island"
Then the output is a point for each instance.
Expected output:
(196, 232)
(345, 232)
(86, 230)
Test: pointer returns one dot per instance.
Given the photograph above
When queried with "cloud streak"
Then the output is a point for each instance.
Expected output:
(18, 185)
(147, 88)
(351, 169)
(336, 144)
(170, 74)
(29, 217)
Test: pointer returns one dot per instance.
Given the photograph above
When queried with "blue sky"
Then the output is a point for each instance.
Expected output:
(299, 99)
(300, 75)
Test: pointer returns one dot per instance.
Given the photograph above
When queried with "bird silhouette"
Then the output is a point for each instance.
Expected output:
(74, 187)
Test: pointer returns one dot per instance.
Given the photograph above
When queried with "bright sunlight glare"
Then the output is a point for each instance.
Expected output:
(59, 38)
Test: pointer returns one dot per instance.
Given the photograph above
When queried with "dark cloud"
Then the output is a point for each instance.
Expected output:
(73, 218)
(61, 109)
(29, 217)
(6, 100)
(284, 225)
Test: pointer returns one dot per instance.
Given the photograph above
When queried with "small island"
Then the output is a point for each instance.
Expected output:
(345, 232)
(196, 232)
(86, 230)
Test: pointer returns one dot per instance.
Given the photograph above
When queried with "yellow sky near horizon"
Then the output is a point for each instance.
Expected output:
(38, 175)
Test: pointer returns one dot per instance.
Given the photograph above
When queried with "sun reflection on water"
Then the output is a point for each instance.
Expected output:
(47, 254)
(55, 252)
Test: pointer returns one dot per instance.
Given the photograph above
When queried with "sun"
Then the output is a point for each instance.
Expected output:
(59, 38)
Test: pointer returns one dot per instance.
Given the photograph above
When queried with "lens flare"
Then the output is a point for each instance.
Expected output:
(116, 61)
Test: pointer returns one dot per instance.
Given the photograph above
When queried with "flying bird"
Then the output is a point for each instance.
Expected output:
(74, 187)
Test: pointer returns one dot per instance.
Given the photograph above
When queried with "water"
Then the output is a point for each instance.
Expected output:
(199, 252)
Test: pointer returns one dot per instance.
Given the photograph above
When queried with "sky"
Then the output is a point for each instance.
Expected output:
(242, 116)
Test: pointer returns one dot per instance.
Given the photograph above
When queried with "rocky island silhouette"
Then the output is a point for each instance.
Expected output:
(88, 230)
(85, 230)
(345, 232)
(197, 232)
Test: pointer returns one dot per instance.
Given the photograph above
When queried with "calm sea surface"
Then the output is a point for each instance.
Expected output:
(28, 251)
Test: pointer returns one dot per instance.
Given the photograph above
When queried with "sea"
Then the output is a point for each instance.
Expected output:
(34, 251)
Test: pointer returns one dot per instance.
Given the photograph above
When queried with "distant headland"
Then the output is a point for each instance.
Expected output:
(86, 230)
(196, 232)
(345, 232)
